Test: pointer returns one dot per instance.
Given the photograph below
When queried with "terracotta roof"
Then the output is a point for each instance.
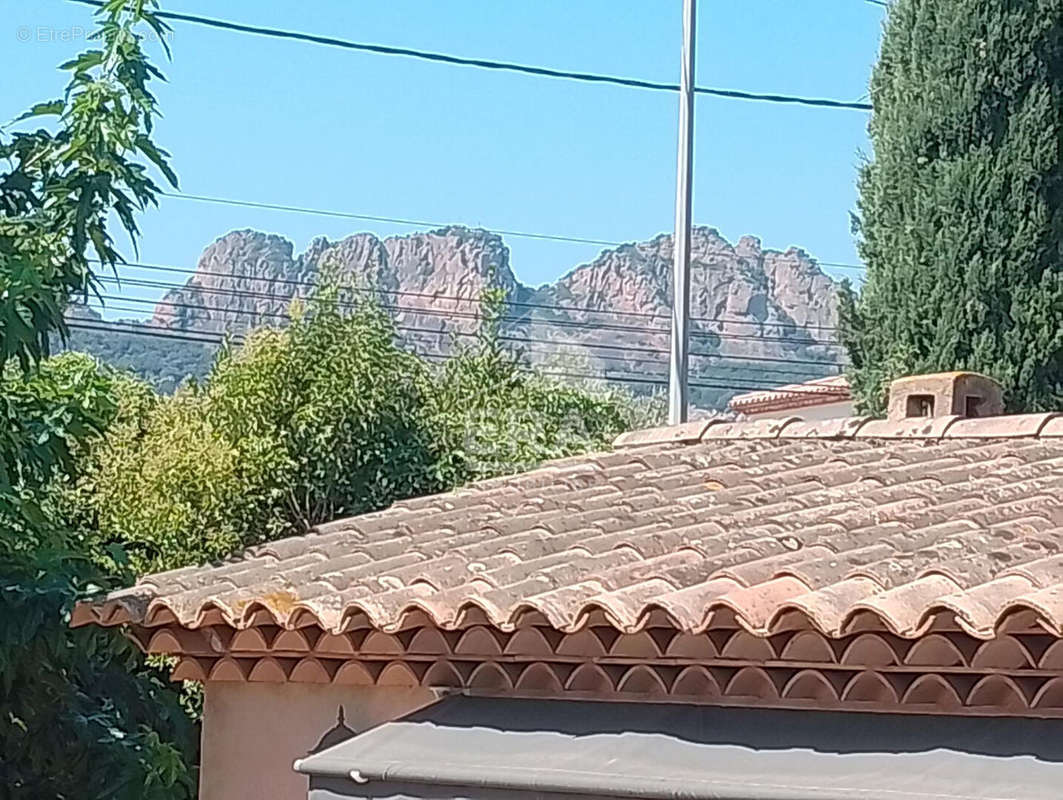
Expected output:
(945, 672)
(844, 525)
(821, 391)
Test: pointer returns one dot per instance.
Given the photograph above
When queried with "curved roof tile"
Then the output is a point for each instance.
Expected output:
(844, 525)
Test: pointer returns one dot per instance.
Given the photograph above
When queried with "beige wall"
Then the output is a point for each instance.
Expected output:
(253, 732)
(810, 413)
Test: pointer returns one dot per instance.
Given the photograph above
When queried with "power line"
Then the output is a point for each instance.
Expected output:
(227, 201)
(506, 66)
(458, 299)
(457, 60)
(452, 314)
(839, 265)
(787, 375)
(161, 332)
(818, 102)
(374, 218)
(503, 337)
(143, 329)
(592, 345)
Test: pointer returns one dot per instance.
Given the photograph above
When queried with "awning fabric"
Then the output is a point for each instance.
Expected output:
(467, 747)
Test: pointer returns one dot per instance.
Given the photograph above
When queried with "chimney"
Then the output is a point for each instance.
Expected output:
(966, 394)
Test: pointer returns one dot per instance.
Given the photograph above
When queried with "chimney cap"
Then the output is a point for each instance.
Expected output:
(964, 394)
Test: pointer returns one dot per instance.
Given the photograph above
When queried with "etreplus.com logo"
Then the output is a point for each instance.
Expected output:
(54, 34)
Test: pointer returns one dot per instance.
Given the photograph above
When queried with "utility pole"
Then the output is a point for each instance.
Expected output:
(678, 395)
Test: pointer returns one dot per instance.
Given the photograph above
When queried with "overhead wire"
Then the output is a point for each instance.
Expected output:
(414, 310)
(428, 224)
(145, 329)
(256, 314)
(157, 331)
(841, 266)
(310, 284)
(530, 321)
(482, 63)
(506, 66)
(321, 212)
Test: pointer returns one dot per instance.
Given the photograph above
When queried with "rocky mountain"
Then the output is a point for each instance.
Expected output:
(759, 317)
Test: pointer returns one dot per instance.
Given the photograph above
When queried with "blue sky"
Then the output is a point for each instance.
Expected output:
(298, 124)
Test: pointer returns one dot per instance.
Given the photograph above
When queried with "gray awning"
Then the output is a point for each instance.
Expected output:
(465, 747)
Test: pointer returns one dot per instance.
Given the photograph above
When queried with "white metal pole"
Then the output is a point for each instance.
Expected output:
(678, 395)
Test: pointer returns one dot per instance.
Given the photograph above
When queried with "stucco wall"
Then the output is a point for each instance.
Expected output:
(253, 732)
(810, 413)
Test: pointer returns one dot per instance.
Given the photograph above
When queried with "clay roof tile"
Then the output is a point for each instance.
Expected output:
(760, 524)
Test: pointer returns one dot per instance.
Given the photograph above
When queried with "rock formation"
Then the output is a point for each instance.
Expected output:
(758, 316)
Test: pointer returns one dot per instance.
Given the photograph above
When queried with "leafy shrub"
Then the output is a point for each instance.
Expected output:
(326, 418)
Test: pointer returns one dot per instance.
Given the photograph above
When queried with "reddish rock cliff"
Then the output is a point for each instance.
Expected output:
(758, 315)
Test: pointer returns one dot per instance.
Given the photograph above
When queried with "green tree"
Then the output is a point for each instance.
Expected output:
(295, 427)
(80, 715)
(496, 417)
(961, 209)
(326, 418)
(75, 722)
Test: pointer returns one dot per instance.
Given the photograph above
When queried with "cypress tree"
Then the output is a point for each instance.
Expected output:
(960, 213)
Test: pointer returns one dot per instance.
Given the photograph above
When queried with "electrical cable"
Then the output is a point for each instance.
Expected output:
(803, 374)
(426, 224)
(376, 218)
(445, 58)
(661, 380)
(595, 345)
(217, 291)
(663, 315)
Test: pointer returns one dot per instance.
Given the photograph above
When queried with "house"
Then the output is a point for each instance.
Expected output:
(819, 399)
(850, 608)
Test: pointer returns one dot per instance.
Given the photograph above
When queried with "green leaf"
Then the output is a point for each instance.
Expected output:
(160, 158)
(84, 62)
(117, 553)
(53, 108)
